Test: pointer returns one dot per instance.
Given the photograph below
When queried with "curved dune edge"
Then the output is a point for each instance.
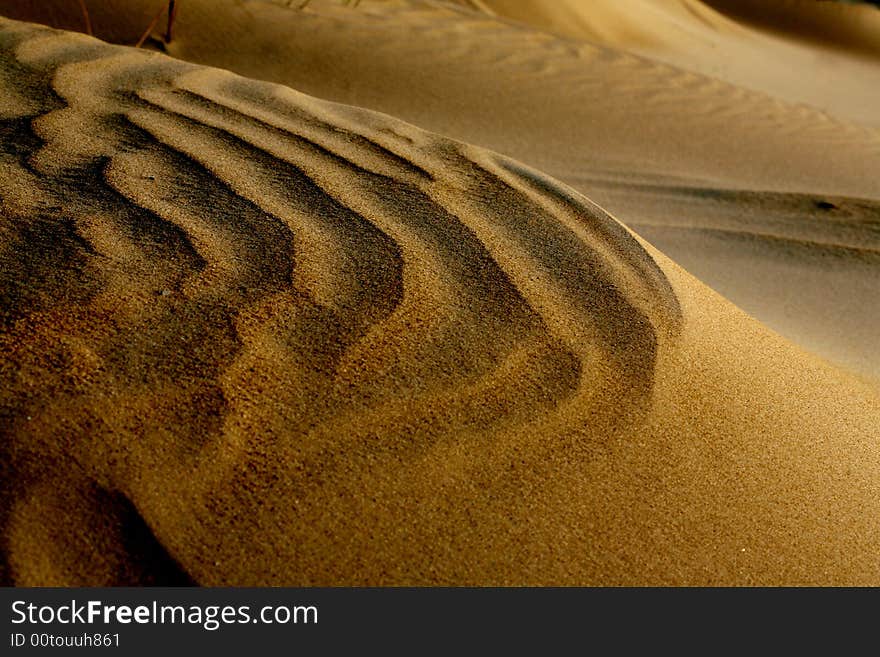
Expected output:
(853, 27)
(284, 341)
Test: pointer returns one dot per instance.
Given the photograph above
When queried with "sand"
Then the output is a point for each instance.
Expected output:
(260, 328)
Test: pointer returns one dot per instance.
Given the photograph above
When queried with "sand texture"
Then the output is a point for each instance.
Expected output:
(258, 328)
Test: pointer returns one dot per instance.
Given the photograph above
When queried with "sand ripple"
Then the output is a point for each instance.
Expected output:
(209, 281)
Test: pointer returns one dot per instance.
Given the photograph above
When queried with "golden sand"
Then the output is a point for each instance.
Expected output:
(253, 336)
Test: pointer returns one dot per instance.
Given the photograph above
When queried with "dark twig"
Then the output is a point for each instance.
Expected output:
(86, 18)
(150, 29)
(172, 13)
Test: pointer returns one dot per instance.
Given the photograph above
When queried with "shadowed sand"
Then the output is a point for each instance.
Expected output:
(253, 337)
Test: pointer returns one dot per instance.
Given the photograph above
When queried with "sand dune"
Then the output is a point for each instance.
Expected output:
(253, 337)
(704, 107)
(758, 45)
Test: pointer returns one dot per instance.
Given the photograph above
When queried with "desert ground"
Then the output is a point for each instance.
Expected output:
(422, 292)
